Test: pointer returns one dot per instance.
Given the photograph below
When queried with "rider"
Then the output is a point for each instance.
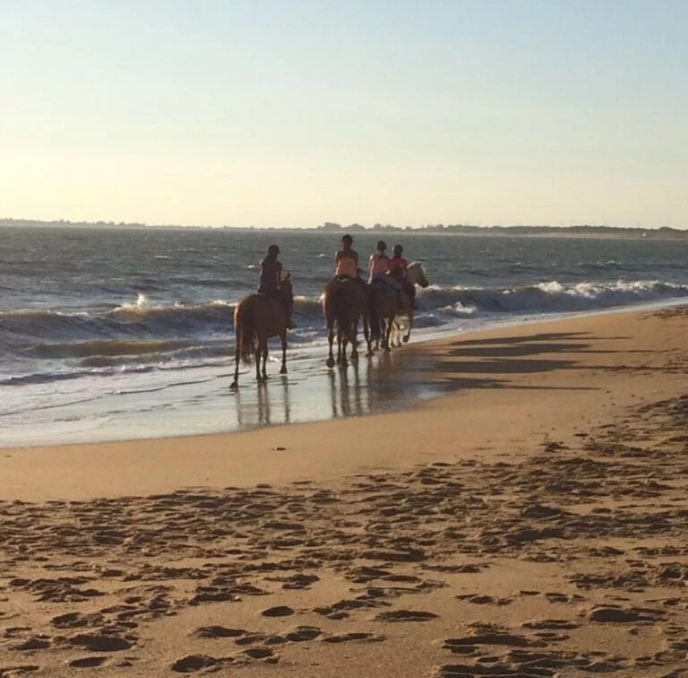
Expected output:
(346, 262)
(398, 269)
(379, 269)
(270, 279)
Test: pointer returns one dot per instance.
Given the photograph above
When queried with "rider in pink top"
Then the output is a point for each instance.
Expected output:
(379, 266)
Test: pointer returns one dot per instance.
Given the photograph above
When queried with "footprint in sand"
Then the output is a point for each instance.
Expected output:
(624, 615)
(87, 662)
(195, 662)
(303, 633)
(354, 636)
(551, 624)
(101, 643)
(507, 639)
(217, 632)
(258, 652)
(406, 616)
(33, 643)
(477, 599)
(278, 611)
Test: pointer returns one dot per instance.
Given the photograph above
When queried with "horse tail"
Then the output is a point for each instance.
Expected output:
(244, 330)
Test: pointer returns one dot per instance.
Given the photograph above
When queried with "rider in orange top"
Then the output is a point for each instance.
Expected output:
(346, 262)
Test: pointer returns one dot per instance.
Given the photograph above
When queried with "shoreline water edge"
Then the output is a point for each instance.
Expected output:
(377, 384)
(128, 333)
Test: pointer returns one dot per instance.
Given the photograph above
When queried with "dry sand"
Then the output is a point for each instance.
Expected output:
(531, 523)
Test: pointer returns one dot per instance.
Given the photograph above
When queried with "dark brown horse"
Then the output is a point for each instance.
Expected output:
(385, 304)
(344, 305)
(258, 317)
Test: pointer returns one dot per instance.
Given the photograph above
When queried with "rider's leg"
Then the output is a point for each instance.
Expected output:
(288, 307)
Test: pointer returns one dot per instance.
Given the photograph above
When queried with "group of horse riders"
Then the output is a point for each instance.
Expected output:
(391, 271)
(347, 298)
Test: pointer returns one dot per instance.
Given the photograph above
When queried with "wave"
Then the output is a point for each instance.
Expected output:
(51, 344)
(547, 297)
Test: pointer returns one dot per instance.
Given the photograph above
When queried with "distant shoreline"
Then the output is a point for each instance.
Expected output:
(579, 231)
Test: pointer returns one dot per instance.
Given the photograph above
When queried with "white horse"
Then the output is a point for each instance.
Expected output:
(415, 274)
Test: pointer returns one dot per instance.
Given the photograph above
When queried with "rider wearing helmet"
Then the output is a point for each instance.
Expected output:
(398, 269)
(270, 278)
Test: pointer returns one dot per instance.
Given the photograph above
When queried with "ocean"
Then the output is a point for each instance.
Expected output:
(127, 333)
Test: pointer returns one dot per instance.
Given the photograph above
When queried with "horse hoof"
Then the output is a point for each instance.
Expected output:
(234, 386)
(283, 370)
(330, 362)
(406, 340)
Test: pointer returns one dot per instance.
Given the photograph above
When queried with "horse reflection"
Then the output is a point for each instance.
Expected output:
(269, 406)
(347, 394)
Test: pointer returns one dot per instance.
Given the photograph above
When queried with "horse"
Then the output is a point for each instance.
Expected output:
(344, 305)
(256, 318)
(415, 274)
(386, 305)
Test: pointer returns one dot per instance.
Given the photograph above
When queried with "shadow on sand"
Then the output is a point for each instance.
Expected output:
(392, 381)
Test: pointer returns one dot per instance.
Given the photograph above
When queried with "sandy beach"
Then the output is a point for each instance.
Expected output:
(529, 522)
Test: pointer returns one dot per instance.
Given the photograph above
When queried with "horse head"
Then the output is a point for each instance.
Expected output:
(416, 274)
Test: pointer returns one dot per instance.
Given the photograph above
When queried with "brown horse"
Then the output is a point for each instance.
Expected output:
(256, 318)
(344, 305)
(385, 304)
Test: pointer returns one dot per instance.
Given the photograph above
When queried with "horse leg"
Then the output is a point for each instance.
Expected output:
(354, 342)
(366, 334)
(397, 332)
(407, 336)
(259, 350)
(330, 339)
(264, 375)
(388, 333)
(283, 338)
(235, 383)
(341, 348)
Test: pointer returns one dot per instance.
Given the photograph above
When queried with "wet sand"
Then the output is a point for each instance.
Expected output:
(531, 522)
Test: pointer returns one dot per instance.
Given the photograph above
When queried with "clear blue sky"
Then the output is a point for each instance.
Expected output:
(294, 112)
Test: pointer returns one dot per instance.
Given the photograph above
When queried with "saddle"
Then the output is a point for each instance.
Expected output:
(399, 296)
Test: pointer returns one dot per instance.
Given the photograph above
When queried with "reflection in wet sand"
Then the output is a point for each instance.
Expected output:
(378, 384)
(266, 404)
(349, 396)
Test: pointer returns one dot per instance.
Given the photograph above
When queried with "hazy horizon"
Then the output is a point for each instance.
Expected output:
(265, 113)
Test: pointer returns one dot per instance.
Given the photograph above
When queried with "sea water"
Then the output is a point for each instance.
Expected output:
(126, 333)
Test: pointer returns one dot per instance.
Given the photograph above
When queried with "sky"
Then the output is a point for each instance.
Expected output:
(297, 112)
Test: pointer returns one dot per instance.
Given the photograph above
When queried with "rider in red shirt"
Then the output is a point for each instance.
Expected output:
(398, 270)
